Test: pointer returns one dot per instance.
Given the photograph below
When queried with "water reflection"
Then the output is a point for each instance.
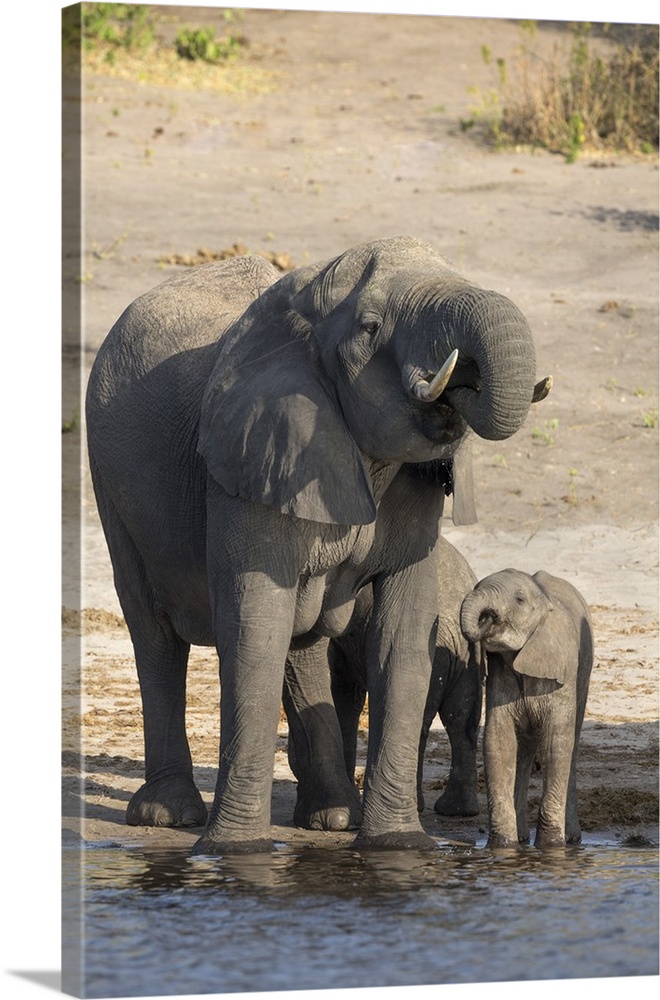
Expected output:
(342, 872)
(163, 922)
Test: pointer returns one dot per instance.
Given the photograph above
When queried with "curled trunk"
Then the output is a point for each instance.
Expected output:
(493, 381)
(477, 615)
(491, 331)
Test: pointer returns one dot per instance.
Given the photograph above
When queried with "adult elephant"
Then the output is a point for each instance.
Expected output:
(255, 443)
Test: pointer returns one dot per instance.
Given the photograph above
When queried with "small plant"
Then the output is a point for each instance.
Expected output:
(544, 436)
(108, 251)
(201, 43)
(650, 418)
(501, 461)
(70, 425)
(572, 497)
(576, 137)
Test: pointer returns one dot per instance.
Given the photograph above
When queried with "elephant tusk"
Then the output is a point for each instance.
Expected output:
(541, 389)
(429, 391)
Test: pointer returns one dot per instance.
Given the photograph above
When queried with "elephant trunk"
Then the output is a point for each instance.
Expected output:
(491, 384)
(478, 615)
(495, 335)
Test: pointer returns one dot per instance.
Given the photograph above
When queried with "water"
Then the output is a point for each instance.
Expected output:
(163, 923)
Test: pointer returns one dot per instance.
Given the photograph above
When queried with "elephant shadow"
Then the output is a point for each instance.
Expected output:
(93, 785)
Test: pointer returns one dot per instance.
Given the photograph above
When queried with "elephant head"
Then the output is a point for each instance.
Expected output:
(511, 612)
(385, 353)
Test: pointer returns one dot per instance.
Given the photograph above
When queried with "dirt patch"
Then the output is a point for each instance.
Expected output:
(282, 261)
(357, 136)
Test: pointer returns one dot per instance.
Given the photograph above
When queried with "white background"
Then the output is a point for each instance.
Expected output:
(31, 435)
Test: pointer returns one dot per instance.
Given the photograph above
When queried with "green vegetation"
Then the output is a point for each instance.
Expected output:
(545, 435)
(124, 40)
(572, 497)
(201, 43)
(594, 94)
(112, 25)
(650, 418)
(70, 425)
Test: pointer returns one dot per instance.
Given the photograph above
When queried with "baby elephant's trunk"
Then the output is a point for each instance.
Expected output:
(477, 617)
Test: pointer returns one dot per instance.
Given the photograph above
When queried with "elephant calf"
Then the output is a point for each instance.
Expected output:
(455, 691)
(537, 635)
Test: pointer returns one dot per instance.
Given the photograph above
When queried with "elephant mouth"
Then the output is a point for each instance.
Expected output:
(434, 396)
(441, 423)
(496, 634)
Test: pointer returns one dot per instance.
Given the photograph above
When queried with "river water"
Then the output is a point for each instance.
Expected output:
(163, 923)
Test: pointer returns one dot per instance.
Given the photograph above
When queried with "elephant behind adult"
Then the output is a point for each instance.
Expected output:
(255, 444)
(455, 690)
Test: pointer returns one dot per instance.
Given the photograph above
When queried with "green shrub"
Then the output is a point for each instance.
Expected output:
(116, 25)
(575, 98)
(201, 43)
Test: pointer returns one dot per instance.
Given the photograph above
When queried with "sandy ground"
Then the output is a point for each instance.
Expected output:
(359, 137)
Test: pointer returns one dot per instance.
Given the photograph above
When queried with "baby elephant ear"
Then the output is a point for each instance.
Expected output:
(272, 431)
(552, 650)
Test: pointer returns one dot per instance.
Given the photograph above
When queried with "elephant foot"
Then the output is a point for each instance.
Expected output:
(549, 834)
(167, 802)
(321, 816)
(573, 835)
(453, 804)
(210, 846)
(543, 840)
(497, 841)
(396, 840)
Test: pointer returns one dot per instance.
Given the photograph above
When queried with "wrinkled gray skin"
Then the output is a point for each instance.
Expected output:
(538, 637)
(455, 691)
(254, 443)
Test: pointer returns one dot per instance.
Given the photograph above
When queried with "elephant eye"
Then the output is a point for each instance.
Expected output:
(520, 599)
(371, 326)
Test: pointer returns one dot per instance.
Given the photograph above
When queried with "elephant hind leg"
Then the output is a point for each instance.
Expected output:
(460, 713)
(556, 757)
(524, 764)
(169, 796)
(327, 798)
(573, 829)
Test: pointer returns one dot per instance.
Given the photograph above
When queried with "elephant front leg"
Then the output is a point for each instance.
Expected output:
(399, 655)
(326, 798)
(255, 620)
(500, 760)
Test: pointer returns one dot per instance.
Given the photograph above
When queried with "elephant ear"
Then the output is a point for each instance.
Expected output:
(464, 510)
(551, 651)
(271, 429)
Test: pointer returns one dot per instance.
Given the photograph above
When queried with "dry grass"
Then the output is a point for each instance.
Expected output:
(585, 95)
(162, 67)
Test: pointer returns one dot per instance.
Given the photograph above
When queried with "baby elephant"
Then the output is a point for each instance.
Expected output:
(537, 635)
(455, 691)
